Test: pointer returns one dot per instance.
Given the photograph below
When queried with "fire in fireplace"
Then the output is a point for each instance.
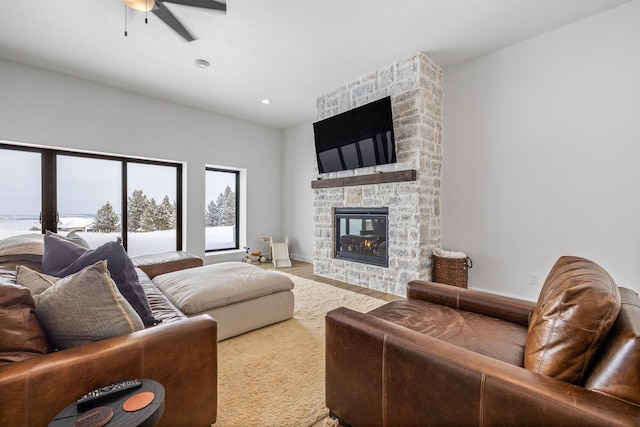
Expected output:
(361, 235)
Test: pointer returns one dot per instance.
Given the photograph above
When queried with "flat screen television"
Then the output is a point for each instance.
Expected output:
(356, 138)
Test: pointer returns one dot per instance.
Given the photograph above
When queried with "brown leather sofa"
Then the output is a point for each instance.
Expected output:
(448, 356)
(180, 353)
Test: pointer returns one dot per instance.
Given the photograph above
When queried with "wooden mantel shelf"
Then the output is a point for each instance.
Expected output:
(376, 178)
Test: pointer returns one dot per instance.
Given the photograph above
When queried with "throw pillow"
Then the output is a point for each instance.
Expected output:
(85, 307)
(59, 253)
(21, 336)
(62, 257)
(576, 308)
(77, 239)
(36, 282)
(25, 249)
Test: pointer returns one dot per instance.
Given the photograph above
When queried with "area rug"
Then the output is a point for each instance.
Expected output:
(274, 376)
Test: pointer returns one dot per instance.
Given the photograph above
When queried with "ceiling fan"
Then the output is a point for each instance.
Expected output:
(159, 9)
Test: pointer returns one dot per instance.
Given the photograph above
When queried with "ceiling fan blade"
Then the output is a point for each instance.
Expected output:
(167, 17)
(205, 4)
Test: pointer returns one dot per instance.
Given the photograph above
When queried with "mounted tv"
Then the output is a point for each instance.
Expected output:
(357, 138)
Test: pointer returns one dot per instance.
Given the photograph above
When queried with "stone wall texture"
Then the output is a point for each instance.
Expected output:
(415, 87)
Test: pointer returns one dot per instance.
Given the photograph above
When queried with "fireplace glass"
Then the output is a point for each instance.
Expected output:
(361, 235)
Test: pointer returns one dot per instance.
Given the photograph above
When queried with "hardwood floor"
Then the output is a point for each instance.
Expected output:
(305, 270)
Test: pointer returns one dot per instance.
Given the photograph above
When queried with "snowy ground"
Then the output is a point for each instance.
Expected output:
(138, 243)
(219, 238)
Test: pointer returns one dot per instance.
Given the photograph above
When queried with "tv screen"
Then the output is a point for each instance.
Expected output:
(356, 138)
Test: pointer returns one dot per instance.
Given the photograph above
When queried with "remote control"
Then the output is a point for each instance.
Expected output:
(99, 395)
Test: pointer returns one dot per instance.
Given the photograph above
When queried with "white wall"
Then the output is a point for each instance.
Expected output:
(298, 155)
(45, 108)
(541, 154)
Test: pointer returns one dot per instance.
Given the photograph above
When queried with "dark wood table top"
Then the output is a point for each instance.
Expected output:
(148, 416)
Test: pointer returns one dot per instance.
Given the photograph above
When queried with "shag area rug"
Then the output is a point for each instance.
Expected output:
(274, 376)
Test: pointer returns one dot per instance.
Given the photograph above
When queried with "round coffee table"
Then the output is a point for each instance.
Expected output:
(148, 416)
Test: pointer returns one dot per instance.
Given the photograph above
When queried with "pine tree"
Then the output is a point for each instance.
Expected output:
(166, 215)
(106, 220)
(212, 215)
(228, 209)
(222, 212)
(149, 216)
(138, 205)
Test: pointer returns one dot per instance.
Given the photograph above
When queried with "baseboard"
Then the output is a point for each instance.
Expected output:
(301, 258)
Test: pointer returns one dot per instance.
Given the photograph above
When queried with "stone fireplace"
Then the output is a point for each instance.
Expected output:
(412, 205)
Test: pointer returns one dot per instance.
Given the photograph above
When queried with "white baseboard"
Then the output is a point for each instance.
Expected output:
(301, 258)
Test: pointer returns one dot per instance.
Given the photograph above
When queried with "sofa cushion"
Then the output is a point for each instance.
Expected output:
(163, 309)
(62, 257)
(25, 249)
(577, 306)
(85, 306)
(496, 338)
(166, 262)
(617, 370)
(35, 281)
(21, 336)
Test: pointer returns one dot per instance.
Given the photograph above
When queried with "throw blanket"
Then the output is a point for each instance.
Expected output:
(448, 254)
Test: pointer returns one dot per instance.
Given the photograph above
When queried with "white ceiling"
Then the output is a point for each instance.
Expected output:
(289, 51)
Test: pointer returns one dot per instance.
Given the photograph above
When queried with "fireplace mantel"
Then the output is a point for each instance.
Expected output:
(376, 178)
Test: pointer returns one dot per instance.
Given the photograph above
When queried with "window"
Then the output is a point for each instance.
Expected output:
(20, 192)
(222, 209)
(151, 207)
(89, 200)
(101, 197)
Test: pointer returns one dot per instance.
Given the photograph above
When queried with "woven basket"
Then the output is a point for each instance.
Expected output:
(451, 271)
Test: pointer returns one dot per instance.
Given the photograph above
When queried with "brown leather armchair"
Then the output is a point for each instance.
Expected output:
(448, 356)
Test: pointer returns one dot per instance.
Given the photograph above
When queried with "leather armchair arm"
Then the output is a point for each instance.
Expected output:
(181, 355)
(381, 374)
(505, 308)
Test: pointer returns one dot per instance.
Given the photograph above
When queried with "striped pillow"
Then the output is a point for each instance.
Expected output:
(24, 249)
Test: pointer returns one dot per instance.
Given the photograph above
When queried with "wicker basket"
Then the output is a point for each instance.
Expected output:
(451, 271)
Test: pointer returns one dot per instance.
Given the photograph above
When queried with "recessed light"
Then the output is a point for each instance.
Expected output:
(266, 101)
(202, 63)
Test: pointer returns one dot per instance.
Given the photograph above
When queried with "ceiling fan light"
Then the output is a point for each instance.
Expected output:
(202, 63)
(141, 5)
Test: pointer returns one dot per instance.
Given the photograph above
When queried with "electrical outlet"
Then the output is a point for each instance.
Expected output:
(533, 279)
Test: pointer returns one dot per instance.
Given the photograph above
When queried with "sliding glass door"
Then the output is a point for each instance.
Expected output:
(152, 208)
(89, 198)
(100, 197)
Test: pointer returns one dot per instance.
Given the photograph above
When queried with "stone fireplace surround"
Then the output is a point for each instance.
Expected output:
(415, 86)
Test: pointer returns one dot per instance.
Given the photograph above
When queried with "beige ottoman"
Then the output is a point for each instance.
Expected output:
(240, 296)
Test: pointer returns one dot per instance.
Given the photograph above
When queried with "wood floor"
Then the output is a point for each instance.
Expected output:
(305, 270)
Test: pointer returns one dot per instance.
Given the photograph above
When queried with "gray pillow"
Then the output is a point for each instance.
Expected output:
(62, 257)
(77, 239)
(85, 307)
(58, 253)
(35, 281)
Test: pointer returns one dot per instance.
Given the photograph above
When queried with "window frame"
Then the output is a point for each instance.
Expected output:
(236, 172)
(49, 205)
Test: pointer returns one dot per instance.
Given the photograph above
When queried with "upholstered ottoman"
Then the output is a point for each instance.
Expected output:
(239, 296)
